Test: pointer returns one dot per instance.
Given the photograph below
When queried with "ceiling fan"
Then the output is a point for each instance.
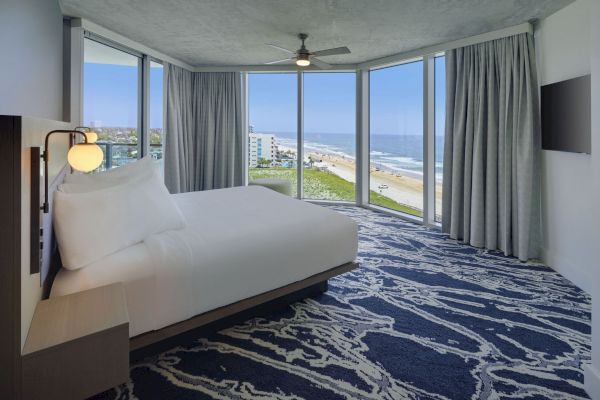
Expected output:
(304, 58)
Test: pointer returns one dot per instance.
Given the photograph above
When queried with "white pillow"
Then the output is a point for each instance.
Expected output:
(114, 174)
(92, 225)
(101, 181)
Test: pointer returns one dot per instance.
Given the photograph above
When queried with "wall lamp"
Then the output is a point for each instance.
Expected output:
(91, 136)
(84, 157)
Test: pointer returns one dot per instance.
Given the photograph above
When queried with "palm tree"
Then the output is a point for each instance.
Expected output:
(263, 163)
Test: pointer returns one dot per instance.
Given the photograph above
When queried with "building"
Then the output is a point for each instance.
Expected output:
(261, 146)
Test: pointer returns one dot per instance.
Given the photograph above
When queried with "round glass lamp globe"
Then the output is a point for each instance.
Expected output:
(85, 157)
(91, 136)
(302, 62)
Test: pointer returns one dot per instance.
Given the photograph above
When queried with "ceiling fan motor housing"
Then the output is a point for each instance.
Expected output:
(304, 57)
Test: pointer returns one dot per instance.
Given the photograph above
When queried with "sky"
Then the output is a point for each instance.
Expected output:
(396, 99)
(110, 95)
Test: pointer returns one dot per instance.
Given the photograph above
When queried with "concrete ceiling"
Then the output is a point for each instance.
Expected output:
(234, 32)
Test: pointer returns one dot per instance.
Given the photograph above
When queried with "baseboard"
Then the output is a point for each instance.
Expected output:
(591, 381)
(578, 276)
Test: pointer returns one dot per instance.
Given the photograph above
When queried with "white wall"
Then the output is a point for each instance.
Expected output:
(568, 45)
(31, 85)
(592, 375)
(31, 69)
(563, 46)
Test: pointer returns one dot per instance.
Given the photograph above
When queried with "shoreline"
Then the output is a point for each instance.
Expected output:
(402, 186)
(374, 167)
(403, 189)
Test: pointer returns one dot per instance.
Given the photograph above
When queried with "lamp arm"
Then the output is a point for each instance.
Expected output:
(46, 206)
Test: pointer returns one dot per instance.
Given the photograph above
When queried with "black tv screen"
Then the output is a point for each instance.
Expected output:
(566, 115)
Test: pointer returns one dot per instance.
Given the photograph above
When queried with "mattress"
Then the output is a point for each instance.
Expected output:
(238, 243)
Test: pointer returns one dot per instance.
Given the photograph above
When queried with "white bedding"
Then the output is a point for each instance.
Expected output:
(238, 243)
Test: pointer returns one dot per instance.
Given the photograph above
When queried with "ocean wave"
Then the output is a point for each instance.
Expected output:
(387, 160)
(395, 168)
(403, 160)
(379, 153)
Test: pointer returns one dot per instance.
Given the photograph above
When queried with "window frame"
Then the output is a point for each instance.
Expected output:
(324, 201)
(362, 132)
(164, 105)
(425, 140)
(143, 91)
(299, 124)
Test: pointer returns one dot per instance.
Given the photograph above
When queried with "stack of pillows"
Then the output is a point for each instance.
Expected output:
(96, 215)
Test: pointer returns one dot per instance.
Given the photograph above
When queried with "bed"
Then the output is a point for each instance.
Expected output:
(238, 244)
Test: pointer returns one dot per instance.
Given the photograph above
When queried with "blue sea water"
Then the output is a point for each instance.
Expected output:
(396, 153)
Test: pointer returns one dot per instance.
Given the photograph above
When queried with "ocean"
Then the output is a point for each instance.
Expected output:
(396, 153)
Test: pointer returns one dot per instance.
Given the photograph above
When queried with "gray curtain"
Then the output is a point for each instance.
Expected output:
(203, 140)
(218, 123)
(180, 172)
(491, 188)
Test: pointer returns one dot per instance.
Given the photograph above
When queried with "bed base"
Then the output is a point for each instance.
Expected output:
(220, 318)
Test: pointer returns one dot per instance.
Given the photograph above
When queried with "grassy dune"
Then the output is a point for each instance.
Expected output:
(324, 185)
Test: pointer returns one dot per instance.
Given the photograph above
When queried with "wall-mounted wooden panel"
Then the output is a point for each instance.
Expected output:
(34, 235)
(10, 257)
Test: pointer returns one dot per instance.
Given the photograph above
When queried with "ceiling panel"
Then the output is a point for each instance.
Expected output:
(234, 32)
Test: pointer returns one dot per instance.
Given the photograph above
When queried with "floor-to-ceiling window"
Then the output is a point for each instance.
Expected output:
(156, 133)
(396, 138)
(440, 123)
(396, 177)
(272, 134)
(329, 136)
(111, 101)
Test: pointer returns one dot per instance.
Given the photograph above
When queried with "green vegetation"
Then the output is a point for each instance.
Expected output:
(263, 163)
(383, 201)
(324, 185)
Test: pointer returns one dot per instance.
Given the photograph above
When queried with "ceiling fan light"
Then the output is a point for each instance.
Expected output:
(303, 62)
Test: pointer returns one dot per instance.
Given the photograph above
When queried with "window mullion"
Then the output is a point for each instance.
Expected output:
(362, 137)
(300, 136)
(246, 124)
(143, 106)
(429, 140)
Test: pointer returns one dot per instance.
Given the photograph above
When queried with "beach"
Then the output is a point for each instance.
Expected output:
(404, 187)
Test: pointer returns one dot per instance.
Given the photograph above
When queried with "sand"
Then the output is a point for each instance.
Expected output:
(402, 187)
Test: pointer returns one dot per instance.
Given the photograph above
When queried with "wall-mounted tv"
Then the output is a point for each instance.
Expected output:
(566, 115)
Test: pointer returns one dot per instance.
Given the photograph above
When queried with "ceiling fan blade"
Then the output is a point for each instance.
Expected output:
(320, 63)
(279, 61)
(281, 48)
(332, 52)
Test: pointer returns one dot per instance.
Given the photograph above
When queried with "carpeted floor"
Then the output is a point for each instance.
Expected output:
(423, 318)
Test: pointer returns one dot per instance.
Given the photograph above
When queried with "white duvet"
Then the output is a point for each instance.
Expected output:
(238, 243)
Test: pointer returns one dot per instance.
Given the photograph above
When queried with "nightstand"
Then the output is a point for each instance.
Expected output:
(77, 345)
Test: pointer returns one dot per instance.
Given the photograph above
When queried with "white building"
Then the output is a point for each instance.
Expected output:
(261, 146)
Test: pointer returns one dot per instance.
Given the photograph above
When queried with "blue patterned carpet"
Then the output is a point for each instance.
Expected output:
(423, 318)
